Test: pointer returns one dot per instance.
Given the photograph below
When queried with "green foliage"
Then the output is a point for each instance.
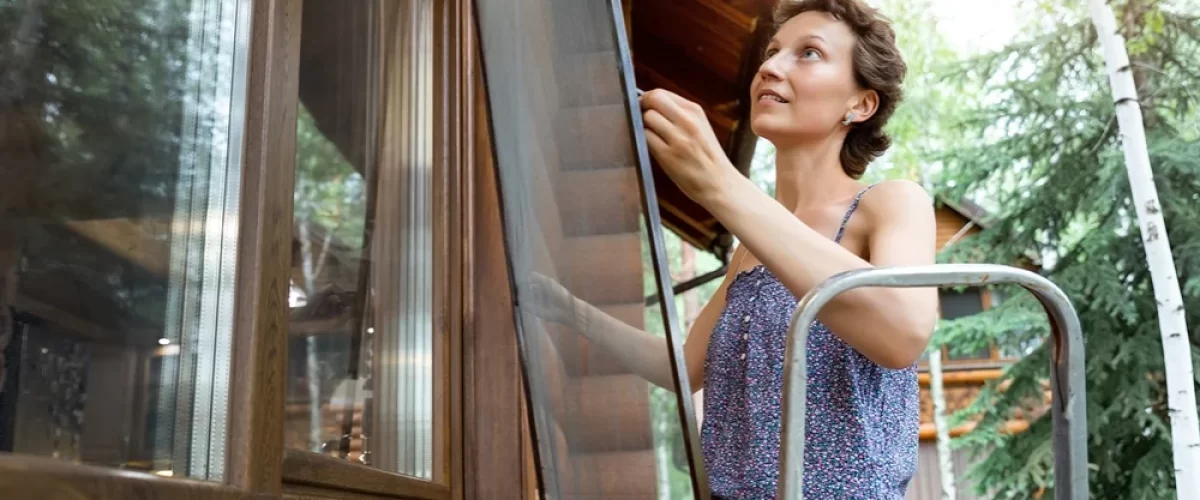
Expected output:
(668, 433)
(92, 124)
(1046, 156)
(329, 191)
(923, 122)
(1029, 132)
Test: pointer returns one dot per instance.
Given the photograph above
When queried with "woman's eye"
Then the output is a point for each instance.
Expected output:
(811, 54)
(769, 53)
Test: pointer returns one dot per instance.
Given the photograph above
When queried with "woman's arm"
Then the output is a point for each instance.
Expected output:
(890, 326)
(637, 351)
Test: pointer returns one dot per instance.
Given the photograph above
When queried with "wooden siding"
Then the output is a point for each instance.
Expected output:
(950, 223)
(927, 485)
(706, 51)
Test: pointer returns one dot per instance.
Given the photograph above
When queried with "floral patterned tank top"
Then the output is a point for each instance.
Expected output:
(863, 419)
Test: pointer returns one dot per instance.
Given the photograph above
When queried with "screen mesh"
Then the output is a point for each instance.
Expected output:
(573, 178)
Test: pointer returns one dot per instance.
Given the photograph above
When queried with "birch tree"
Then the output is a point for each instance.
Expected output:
(945, 456)
(1044, 155)
(1172, 322)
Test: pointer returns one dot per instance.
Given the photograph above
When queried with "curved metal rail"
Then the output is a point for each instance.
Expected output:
(1068, 402)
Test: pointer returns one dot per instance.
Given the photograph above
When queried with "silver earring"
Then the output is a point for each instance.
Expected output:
(849, 118)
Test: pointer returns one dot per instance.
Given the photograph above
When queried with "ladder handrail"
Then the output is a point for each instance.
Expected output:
(1069, 414)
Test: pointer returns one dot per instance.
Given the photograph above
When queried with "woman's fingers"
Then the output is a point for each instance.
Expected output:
(673, 107)
(668, 131)
(657, 145)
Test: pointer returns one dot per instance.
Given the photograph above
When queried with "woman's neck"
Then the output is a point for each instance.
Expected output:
(807, 177)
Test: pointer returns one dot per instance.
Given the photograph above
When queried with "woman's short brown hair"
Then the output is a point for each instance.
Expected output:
(878, 66)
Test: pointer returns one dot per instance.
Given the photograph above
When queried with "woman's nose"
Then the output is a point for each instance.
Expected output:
(771, 69)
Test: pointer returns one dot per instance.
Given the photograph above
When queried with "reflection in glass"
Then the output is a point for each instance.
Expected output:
(360, 379)
(578, 245)
(120, 142)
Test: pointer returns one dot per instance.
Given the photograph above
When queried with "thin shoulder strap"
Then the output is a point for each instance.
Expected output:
(846, 218)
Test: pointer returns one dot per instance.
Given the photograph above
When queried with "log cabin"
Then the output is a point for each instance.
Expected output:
(267, 255)
(964, 374)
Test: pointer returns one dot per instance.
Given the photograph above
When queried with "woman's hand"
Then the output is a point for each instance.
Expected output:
(683, 142)
(549, 300)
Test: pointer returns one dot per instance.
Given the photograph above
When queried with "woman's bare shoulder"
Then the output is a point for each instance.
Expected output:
(896, 200)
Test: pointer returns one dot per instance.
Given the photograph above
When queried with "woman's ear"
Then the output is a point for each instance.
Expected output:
(865, 105)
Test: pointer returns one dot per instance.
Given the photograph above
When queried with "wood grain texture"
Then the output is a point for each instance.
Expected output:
(950, 223)
(302, 492)
(260, 328)
(706, 51)
(452, 160)
(311, 469)
(25, 477)
(492, 432)
(459, 62)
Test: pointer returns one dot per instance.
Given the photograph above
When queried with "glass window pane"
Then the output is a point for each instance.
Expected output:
(360, 379)
(958, 304)
(120, 143)
(575, 225)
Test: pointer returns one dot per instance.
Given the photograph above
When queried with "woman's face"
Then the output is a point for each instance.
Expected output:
(805, 85)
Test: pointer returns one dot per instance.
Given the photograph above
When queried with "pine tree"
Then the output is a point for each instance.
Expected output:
(1177, 356)
(1047, 159)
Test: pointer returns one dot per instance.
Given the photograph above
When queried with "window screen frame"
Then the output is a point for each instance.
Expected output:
(653, 222)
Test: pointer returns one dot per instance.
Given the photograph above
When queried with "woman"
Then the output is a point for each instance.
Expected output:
(829, 81)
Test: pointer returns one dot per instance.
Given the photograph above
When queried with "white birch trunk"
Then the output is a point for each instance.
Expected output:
(312, 364)
(945, 459)
(1181, 399)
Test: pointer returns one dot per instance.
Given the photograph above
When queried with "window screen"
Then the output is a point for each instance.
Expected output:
(578, 208)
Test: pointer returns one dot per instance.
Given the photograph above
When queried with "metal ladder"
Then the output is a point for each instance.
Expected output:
(1068, 402)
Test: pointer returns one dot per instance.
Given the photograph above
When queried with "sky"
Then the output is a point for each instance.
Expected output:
(976, 25)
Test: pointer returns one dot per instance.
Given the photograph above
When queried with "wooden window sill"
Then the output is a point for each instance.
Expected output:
(311, 469)
(24, 476)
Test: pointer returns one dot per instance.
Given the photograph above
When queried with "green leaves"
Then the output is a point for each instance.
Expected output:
(1043, 153)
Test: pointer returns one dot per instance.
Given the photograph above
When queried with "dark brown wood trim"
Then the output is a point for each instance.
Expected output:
(466, 82)
(493, 467)
(453, 129)
(23, 476)
(450, 99)
(264, 253)
(302, 492)
(741, 151)
(310, 469)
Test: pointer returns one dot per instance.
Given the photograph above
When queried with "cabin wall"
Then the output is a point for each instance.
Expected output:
(927, 485)
(952, 225)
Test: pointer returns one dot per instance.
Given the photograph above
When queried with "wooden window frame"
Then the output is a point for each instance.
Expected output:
(994, 360)
(258, 466)
(306, 469)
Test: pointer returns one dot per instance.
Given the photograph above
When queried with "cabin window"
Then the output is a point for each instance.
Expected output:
(362, 346)
(957, 304)
(120, 147)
